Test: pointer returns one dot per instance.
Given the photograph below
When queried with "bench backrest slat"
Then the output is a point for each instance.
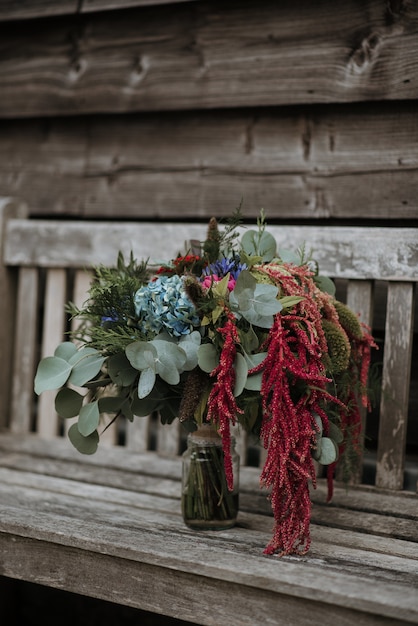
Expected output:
(395, 385)
(54, 327)
(25, 350)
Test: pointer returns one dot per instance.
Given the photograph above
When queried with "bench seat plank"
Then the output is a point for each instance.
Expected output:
(132, 535)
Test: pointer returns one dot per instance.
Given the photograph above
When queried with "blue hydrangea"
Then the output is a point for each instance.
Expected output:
(221, 268)
(163, 305)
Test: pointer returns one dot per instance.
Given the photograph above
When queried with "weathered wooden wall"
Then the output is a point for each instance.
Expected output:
(150, 108)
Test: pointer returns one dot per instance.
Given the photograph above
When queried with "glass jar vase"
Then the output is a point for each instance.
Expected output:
(207, 503)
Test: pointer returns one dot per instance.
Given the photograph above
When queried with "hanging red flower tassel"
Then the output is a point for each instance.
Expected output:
(222, 406)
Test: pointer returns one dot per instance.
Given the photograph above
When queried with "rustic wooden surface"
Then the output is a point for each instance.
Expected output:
(350, 162)
(198, 55)
(9, 208)
(11, 10)
(342, 252)
(110, 526)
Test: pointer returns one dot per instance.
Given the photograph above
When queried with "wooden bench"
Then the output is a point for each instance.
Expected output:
(109, 526)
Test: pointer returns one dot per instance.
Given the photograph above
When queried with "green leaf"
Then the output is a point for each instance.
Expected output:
(249, 340)
(52, 373)
(110, 404)
(144, 406)
(325, 284)
(254, 301)
(85, 445)
(86, 365)
(259, 243)
(68, 402)
(241, 373)
(288, 301)
(89, 418)
(289, 256)
(120, 370)
(190, 344)
(126, 410)
(329, 451)
(208, 357)
(141, 354)
(253, 382)
(66, 350)
(170, 361)
(146, 382)
(335, 433)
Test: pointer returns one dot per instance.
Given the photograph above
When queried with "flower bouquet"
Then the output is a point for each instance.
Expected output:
(236, 332)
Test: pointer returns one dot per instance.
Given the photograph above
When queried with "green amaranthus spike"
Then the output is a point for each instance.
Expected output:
(338, 347)
(348, 320)
(211, 245)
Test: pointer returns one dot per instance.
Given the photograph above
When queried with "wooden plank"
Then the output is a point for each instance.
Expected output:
(11, 10)
(360, 300)
(167, 591)
(160, 510)
(395, 386)
(320, 165)
(151, 537)
(25, 351)
(30, 453)
(343, 252)
(9, 208)
(137, 434)
(53, 334)
(194, 55)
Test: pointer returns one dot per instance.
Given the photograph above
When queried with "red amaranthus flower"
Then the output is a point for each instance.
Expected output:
(222, 406)
(289, 428)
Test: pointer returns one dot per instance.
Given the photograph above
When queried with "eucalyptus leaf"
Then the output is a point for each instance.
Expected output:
(255, 302)
(85, 445)
(329, 452)
(208, 357)
(289, 256)
(89, 418)
(66, 350)
(86, 365)
(325, 284)
(249, 340)
(170, 361)
(110, 404)
(335, 433)
(190, 344)
(319, 424)
(141, 354)
(120, 370)
(241, 373)
(144, 406)
(254, 381)
(126, 410)
(68, 402)
(146, 382)
(259, 243)
(52, 373)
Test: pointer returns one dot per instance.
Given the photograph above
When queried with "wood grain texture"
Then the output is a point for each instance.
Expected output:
(29, 9)
(358, 162)
(59, 528)
(53, 334)
(202, 55)
(395, 386)
(342, 252)
(9, 208)
(24, 352)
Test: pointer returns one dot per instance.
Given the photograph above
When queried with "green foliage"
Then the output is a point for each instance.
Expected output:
(255, 302)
